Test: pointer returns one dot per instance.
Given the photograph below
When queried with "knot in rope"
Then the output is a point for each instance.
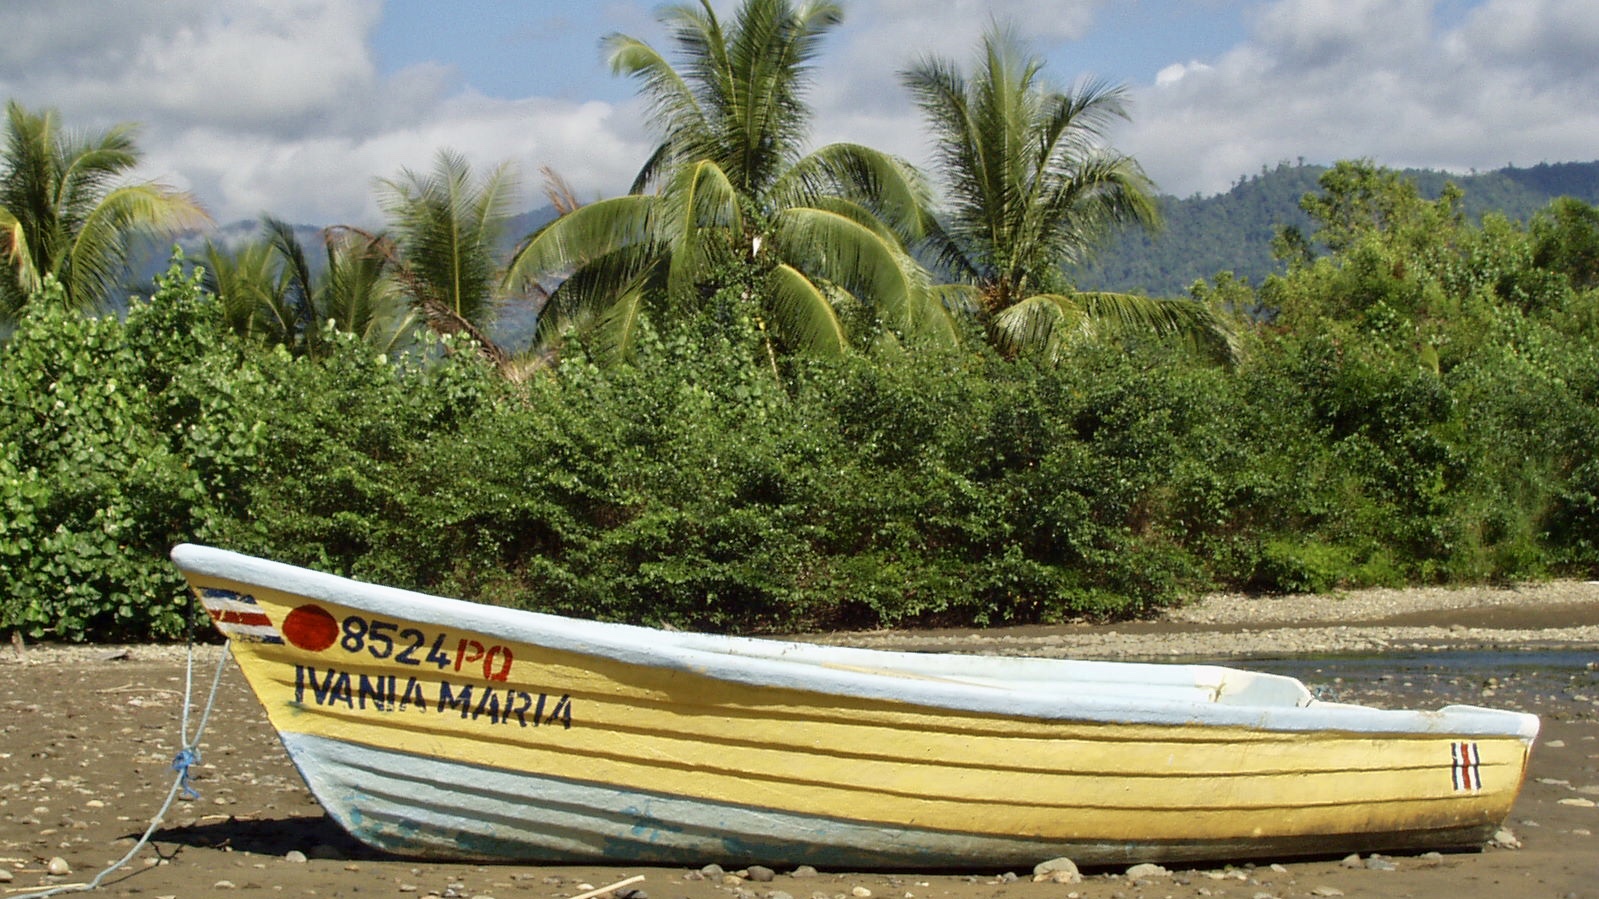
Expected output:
(180, 764)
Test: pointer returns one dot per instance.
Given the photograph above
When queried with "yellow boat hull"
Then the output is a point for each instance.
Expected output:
(434, 727)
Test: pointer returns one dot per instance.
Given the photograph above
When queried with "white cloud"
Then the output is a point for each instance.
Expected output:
(281, 107)
(1177, 71)
(1330, 79)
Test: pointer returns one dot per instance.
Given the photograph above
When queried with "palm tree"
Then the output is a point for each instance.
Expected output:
(268, 290)
(729, 218)
(359, 293)
(252, 286)
(66, 210)
(1030, 188)
(448, 235)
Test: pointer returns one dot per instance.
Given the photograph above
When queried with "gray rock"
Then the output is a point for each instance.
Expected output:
(712, 870)
(761, 874)
(1146, 871)
(1352, 861)
(803, 871)
(1057, 870)
(58, 867)
(294, 857)
(1505, 838)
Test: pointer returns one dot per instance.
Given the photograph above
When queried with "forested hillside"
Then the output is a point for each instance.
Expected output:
(1233, 231)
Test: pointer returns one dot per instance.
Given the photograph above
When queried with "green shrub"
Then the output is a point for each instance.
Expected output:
(114, 449)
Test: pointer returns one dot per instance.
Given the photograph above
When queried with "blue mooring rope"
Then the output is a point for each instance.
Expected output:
(181, 763)
(187, 757)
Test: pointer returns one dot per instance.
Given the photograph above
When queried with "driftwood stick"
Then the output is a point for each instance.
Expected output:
(600, 891)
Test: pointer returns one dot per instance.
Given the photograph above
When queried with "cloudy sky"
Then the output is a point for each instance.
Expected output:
(294, 107)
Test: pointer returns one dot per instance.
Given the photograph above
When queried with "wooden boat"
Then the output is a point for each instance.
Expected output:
(436, 727)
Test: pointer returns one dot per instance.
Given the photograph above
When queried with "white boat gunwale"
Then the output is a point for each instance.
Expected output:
(883, 674)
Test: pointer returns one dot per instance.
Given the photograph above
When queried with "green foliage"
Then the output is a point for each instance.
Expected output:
(1566, 240)
(1422, 405)
(116, 445)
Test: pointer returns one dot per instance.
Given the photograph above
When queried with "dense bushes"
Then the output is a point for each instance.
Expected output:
(112, 448)
(1414, 408)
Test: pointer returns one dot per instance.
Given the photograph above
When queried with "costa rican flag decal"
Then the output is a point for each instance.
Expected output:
(238, 616)
(1467, 766)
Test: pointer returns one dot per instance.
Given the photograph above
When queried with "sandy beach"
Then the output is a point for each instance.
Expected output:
(88, 734)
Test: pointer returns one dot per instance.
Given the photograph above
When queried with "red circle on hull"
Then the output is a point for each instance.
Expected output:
(310, 628)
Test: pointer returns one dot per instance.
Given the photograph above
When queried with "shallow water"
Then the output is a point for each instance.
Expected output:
(1519, 680)
(1448, 662)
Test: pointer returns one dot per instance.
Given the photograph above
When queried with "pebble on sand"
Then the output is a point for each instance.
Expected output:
(58, 867)
(1057, 870)
(1505, 838)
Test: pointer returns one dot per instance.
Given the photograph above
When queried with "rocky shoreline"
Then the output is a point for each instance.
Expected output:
(1547, 615)
(1561, 614)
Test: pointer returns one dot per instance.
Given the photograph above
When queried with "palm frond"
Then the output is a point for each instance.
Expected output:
(360, 294)
(1049, 325)
(698, 215)
(300, 294)
(96, 257)
(251, 286)
(889, 187)
(1041, 325)
(26, 279)
(558, 191)
(837, 249)
(584, 296)
(674, 108)
(577, 239)
(802, 315)
(68, 212)
(1121, 316)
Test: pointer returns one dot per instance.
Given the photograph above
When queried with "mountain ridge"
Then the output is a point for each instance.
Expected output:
(1232, 231)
